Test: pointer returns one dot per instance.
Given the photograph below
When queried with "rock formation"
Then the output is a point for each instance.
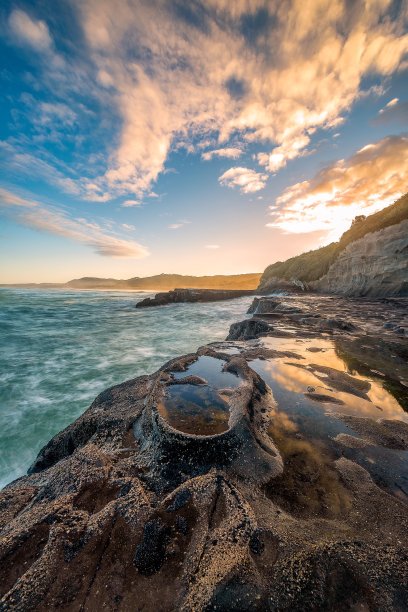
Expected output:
(376, 265)
(192, 295)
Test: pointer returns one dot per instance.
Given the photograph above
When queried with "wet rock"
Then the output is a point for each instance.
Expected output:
(248, 330)
(387, 433)
(337, 324)
(150, 553)
(192, 295)
(263, 305)
(321, 397)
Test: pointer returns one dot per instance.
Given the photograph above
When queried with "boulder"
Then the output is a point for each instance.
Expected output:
(248, 329)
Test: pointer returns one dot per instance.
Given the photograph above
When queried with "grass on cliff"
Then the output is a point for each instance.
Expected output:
(313, 265)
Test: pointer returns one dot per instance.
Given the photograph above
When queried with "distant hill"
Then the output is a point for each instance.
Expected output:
(166, 282)
(312, 265)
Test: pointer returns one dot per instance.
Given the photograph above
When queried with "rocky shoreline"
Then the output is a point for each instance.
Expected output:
(265, 472)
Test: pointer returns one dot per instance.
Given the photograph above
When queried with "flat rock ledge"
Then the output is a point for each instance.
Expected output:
(193, 295)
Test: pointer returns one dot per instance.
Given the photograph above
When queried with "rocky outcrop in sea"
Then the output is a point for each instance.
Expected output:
(265, 472)
(193, 295)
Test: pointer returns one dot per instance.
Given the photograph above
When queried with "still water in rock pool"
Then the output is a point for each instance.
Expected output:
(320, 400)
(200, 409)
(59, 349)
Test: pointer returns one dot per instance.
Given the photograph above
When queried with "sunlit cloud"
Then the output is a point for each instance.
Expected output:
(229, 152)
(33, 214)
(247, 180)
(392, 102)
(212, 247)
(369, 180)
(281, 155)
(394, 111)
(189, 72)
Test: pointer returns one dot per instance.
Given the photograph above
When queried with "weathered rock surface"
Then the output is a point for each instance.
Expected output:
(194, 489)
(193, 295)
(376, 265)
(248, 330)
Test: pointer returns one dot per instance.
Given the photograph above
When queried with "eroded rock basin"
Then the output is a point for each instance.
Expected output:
(201, 408)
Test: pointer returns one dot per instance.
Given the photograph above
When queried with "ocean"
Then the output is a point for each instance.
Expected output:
(59, 349)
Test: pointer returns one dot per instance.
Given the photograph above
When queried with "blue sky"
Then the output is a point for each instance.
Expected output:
(194, 137)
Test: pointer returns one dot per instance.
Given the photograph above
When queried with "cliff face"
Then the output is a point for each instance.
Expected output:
(369, 259)
(375, 265)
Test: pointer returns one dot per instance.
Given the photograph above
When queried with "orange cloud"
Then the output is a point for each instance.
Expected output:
(369, 180)
(179, 73)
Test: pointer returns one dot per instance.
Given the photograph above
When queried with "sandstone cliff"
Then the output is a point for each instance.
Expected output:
(370, 259)
(376, 265)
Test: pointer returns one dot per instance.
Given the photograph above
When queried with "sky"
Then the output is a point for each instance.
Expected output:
(140, 137)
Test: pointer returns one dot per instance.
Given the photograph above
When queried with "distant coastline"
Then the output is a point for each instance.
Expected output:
(160, 282)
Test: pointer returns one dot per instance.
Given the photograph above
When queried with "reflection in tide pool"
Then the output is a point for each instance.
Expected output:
(195, 409)
(200, 409)
(212, 371)
(305, 429)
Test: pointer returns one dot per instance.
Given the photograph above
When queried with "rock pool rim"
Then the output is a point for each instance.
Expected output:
(237, 402)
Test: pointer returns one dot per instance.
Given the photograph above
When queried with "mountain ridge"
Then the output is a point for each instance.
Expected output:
(166, 282)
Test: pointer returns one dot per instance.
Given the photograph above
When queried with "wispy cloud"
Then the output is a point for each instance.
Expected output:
(212, 247)
(393, 111)
(187, 71)
(392, 102)
(246, 179)
(178, 225)
(28, 31)
(229, 152)
(131, 203)
(50, 219)
(369, 180)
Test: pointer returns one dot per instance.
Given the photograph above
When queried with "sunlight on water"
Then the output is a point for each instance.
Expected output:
(59, 349)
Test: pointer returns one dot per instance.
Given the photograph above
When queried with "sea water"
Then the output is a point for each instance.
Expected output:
(59, 349)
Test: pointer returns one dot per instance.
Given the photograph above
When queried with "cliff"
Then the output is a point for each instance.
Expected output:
(372, 268)
(376, 265)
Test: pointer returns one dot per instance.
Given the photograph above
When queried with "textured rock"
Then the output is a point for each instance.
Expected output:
(192, 295)
(248, 330)
(376, 265)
